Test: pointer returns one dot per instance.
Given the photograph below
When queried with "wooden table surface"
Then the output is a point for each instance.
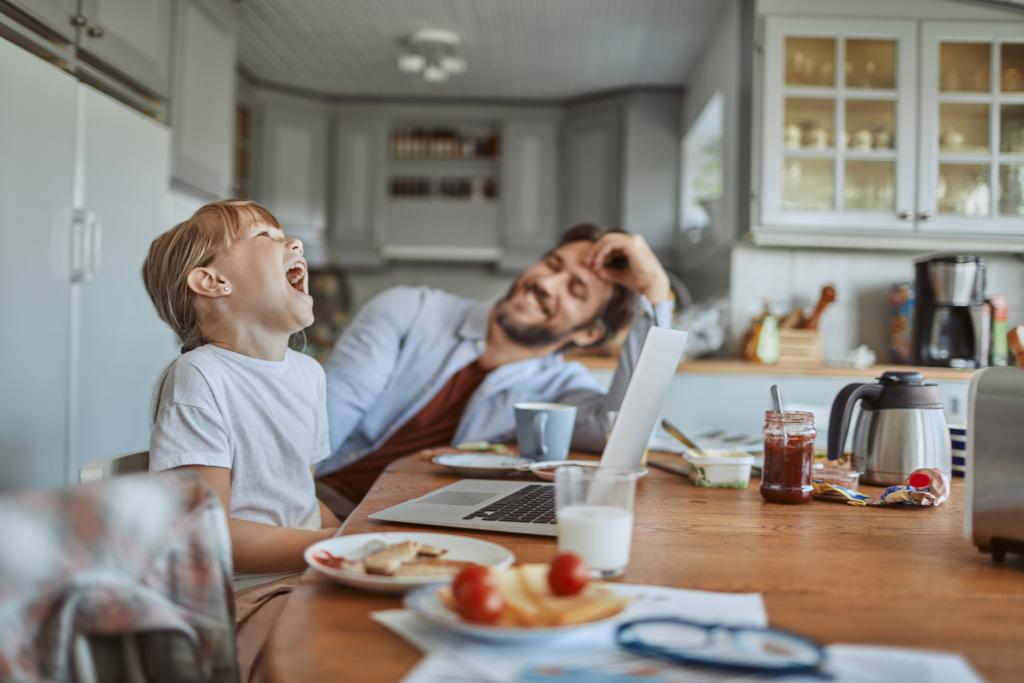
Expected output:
(902, 577)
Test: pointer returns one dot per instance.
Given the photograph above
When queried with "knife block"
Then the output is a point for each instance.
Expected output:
(800, 348)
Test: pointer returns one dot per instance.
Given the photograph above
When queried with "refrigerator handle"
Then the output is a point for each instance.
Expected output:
(94, 240)
(78, 238)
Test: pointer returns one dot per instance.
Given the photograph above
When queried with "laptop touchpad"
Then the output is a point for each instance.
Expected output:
(456, 498)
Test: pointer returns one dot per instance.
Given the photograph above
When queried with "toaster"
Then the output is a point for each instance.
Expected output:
(994, 510)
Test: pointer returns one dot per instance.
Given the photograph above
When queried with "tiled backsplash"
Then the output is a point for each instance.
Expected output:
(792, 277)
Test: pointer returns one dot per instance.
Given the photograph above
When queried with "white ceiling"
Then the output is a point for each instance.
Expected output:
(525, 49)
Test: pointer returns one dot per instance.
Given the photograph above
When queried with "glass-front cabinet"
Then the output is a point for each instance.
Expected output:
(838, 135)
(972, 128)
(865, 130)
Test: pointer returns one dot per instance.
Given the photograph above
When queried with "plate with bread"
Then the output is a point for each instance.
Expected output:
(521, 603)
(394, 562)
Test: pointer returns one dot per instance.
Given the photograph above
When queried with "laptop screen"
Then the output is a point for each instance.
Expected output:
(641, 405)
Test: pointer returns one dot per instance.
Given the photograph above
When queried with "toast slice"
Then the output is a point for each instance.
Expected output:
(389, 559)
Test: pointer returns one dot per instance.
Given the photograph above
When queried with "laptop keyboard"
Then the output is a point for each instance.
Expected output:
(532, 504)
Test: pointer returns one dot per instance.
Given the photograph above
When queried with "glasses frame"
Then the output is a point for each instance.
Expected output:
(628, 641)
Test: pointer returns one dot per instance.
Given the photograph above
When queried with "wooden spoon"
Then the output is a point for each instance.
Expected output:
(828, 295)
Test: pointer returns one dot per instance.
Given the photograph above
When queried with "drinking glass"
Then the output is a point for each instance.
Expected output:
(594, 509)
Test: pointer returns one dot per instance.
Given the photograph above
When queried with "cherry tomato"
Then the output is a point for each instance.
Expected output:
(480, 602)
(568, 574)
(471, 575)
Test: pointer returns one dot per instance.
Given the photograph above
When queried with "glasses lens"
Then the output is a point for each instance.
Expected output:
(722, 646)
(774, 648)
(670, 636)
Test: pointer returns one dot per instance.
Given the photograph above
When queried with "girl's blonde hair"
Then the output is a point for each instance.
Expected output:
(191, 244)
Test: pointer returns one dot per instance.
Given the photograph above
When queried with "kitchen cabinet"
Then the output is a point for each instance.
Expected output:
(621, 164)
(441, 183)
(867, 130)
(131, 38)
(591, 167)
(360, 144)
(202, 110)
(55, 15)
(292, 167)
(972, 128)
(82, 361)
(529, 173)
(839, 123)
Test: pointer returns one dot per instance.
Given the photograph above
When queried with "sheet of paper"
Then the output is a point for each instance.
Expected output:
(506, 663)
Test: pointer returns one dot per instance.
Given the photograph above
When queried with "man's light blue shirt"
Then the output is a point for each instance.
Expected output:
(407, 342)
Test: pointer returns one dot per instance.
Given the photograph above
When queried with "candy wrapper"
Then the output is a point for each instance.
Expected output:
(924, 487)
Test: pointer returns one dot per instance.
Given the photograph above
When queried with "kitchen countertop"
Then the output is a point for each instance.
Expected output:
(734, 366)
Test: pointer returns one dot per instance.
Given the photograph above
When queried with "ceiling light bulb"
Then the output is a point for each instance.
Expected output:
(411, 63)
(453, 64)
(435, 74)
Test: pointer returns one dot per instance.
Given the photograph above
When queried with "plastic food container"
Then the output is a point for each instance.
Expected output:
(720, 469)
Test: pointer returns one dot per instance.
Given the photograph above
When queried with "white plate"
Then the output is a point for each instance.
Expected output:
(461, 548)
(426, 603)
(481, 464)
(546, 470)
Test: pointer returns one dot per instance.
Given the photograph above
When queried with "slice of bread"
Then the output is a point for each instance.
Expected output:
(596, 601)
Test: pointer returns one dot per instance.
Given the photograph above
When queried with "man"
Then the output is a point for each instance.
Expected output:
(420, 368)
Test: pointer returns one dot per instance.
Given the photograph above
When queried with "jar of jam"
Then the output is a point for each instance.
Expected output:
(788, 457)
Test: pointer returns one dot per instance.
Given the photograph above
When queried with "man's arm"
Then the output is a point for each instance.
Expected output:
(364, 359)
(259, 548)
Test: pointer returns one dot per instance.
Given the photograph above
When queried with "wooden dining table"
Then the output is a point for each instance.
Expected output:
(902, 577)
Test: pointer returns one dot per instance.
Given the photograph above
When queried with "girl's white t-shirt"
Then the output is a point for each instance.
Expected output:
(266, 421)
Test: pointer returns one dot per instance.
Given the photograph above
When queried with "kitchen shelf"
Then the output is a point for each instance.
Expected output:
(729, 366)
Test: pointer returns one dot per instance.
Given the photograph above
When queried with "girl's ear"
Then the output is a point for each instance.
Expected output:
(206, 282)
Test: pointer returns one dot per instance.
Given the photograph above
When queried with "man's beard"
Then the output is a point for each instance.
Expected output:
(529, 335)
(526, 335)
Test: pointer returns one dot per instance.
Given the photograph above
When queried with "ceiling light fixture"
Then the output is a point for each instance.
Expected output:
(431, 53)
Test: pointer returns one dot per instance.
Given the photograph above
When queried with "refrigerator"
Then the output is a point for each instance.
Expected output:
(83, 190)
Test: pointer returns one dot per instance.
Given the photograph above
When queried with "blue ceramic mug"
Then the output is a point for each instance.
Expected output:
(544, 430)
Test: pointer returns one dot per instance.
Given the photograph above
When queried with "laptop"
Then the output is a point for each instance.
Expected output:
(529, 508)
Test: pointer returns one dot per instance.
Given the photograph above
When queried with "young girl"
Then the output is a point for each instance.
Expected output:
(238, 406)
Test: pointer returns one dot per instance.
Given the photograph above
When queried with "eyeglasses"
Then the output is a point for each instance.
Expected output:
(744, 648)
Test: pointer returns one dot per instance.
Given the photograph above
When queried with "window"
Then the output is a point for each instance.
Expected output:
(702, 168)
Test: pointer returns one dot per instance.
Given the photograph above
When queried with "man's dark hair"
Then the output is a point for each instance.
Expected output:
(618, 310)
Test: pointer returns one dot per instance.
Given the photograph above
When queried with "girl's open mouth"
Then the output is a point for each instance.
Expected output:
(296, 276)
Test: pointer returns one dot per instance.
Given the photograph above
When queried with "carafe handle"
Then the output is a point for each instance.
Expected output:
(842, 409)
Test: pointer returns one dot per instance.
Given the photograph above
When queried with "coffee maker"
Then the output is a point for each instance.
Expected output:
(951, 325)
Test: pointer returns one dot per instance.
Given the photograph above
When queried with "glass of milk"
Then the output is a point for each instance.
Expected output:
(594, 509)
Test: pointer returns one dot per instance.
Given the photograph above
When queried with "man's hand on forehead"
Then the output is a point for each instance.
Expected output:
(628, 260)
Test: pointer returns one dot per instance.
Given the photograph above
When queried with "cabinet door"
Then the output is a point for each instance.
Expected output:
(972, 129)
(36, 183)
(529, 176)
(357, 220)
(292, 167)
(839, 113)
(120, 346)
(131, 37)
(591, 166)
(55, 14)
(203, 106)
